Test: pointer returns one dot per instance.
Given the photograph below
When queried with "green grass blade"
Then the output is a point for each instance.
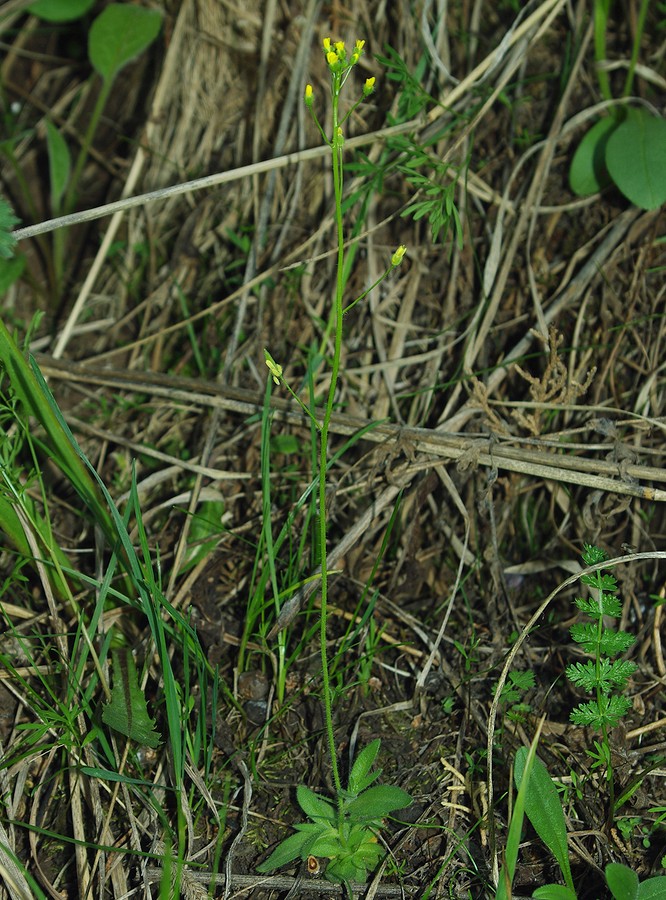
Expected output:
(28, 384)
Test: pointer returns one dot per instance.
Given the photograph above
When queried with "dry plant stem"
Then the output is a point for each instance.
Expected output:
(168, 73)
(538, 462)
(317, 887)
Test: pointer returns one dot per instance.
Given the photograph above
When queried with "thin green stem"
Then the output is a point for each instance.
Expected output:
(70, 196)
(601, 13)
(610, 779)
(640, 26)
(336, 147)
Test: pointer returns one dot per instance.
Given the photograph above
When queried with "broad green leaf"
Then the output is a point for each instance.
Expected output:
(10, 271)
(359, 779)
(636, 158)
(377, 802)
(622, 881)
(652, 888)
(127, 712)
(119, 34)
(60, 10)
(313, 805)
(327, 845)
(554, 892)
(508, 869)
(587, 174)
(544, 810)
(286, 852)
(59, 164)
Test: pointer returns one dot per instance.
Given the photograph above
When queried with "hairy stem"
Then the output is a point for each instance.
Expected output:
(336, 149)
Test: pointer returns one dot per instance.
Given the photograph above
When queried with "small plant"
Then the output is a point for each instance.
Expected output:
(346, 834)
(513, 693)
(343, 831)
(117, 36)
(603, 676)
(626, 147)
(539, 800)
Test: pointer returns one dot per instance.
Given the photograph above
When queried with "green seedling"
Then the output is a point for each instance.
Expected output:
(346, 833)
(628, 146)
(120, 33)
(513, 692)
(603, 676)
(539, 800)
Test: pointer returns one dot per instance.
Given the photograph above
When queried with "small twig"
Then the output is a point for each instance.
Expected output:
(228, 878)
(286, 883)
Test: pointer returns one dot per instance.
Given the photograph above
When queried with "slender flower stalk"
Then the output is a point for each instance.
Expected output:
(346, 835)
(340, 66)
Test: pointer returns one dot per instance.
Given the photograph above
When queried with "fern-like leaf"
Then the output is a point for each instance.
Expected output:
(607, 713)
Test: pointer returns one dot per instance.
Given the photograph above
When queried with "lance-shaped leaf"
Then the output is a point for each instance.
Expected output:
(128, 711)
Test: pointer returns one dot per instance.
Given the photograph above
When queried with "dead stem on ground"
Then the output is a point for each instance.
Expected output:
(521, 372)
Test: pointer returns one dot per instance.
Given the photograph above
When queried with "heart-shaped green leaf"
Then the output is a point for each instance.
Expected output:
(636, 158)
(60, 10)
(119, 34)
(588, 173)
(622, 881)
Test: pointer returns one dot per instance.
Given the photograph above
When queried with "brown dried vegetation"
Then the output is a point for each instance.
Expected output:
(519, 380)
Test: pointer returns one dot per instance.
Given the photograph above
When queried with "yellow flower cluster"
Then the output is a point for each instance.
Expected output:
(336, 53)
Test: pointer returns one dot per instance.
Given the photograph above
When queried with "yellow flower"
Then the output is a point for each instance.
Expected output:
(332, 58)
(273, 367)
(308, 95)
(327, 44)
(359, 46)
(396, 259)
(339, 46)
(369, 86)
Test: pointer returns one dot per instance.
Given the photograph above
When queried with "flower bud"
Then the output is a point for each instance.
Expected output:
(396, 259)
(308, 95)
(273, 367)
